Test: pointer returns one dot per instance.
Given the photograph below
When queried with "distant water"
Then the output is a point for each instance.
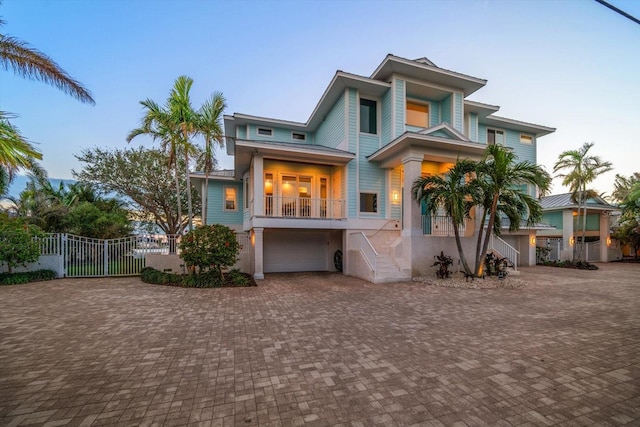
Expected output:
(20, 183)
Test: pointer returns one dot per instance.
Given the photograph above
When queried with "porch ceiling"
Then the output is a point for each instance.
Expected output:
(431, 147)
(315, 154)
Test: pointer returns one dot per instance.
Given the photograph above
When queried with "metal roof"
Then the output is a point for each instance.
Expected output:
(558, 201)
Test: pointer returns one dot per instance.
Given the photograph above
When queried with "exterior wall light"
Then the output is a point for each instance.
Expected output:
(609, 241)
(572, 241)
(395, 196)
(533, 241)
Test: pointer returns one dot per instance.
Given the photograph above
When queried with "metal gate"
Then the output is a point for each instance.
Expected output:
(88, 257)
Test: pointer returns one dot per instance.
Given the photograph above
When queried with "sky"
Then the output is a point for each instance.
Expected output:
(573, 65)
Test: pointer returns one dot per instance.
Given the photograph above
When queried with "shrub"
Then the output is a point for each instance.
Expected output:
(580, 265)
(208, 279)
(18, 242)
(26, 277)
(237, 278)
(210, 247)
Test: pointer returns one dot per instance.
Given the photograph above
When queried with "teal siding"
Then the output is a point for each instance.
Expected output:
(441, 134)
(215, 204)
(553, 218)
(396, 209)
(482, 133)
(525, 152)
(445, 110)
(473, 127)
(241, 132)
(371, 177)
(330, 133)
(386, 118)
(457, 112)
(400, 103)
(279, 134)
(353, 164)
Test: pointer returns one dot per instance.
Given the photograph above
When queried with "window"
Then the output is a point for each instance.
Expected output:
(298, 136)
(495, 136)
(368, 116)
(417, 114)
(526, 139)
(230, 198)
(369, 202)
(265, 131)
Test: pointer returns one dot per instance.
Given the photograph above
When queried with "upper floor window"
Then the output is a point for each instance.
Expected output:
(298, 136)
(495, 136)
(526, 139)
(368, 116)
(230, 200)
(369, 202)
(417, 114)
(265, 131)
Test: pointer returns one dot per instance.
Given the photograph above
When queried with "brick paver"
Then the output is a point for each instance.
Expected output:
(323, 349)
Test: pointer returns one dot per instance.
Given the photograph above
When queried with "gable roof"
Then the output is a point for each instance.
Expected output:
(561, 201)
(446, 128)
(424, 69)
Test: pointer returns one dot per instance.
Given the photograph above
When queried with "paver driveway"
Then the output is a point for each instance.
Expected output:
(323, 349)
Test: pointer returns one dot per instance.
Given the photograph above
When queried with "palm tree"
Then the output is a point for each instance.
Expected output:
(186, 119)
(210, 126)
(158, 124)
(623, 185)
(452, 193)
(15, 152)
(499, 177)
(35, 65)
(582, 169)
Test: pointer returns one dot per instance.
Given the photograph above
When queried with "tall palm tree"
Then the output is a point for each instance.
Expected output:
(451, 192)
(210, 126)
(499, 177)
(581, 169)
(15, 152)
(158, 123)
(186, 119)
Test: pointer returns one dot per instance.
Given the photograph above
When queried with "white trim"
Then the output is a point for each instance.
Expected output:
(531, 139)
(377, 211)
(303, 134)
(224, 198)
(394, 88)
(504, 135)
(259, 128)
(417, 101)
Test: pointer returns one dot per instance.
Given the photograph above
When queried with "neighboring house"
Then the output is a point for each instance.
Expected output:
(335, 192)
(560, 211)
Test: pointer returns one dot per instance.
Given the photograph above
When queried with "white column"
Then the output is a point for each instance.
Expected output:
(604, 235)
(258, 246)
(411, 215)
(567, 235)
(258, 185)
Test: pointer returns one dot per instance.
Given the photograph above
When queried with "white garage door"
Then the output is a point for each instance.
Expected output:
(295, 250)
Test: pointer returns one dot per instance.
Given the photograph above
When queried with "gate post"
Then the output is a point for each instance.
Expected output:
(63, 253)
(106, 258)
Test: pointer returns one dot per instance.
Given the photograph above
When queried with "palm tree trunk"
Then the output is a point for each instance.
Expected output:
(189, 202)
(205, 198)
(492, 217)
(172, 248)
(463, 259)
(478, 260)
(584, 231)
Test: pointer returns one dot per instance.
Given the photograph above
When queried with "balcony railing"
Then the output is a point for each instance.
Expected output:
(440, 226)
(303, 207)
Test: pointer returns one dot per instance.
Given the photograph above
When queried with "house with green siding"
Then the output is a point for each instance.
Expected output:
(334, 193)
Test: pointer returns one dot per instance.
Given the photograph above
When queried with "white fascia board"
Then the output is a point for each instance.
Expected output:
(481, 109)
(405, 139)
(266, 121)
(538, 130)
(308, 150)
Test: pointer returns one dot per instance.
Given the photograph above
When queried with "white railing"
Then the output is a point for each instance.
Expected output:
(360, 241)
(303, 207)
(440, 226)
(504, 249)
(555, 246)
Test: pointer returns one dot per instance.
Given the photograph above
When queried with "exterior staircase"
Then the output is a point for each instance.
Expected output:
(389, 267)
(504, 250)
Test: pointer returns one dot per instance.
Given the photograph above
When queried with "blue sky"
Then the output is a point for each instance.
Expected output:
(573, 65)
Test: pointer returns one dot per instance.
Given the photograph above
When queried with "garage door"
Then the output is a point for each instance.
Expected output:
(295, 250)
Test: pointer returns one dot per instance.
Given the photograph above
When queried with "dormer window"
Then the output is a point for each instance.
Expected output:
(265, 131)
(298, 136)
(368, 116)
(417, 114)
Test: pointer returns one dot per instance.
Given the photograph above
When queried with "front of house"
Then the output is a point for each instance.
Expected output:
(334, 193)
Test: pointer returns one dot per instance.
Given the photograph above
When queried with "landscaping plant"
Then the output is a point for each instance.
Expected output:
(18, 243)
(209, 247)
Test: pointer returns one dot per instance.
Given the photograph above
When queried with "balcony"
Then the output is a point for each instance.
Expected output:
(440, 226)
(304, 207)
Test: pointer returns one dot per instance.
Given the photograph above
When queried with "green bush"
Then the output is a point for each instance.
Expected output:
(18, 242)
(580, 265)
(208, 279)
(210, 247)
(26, 277)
